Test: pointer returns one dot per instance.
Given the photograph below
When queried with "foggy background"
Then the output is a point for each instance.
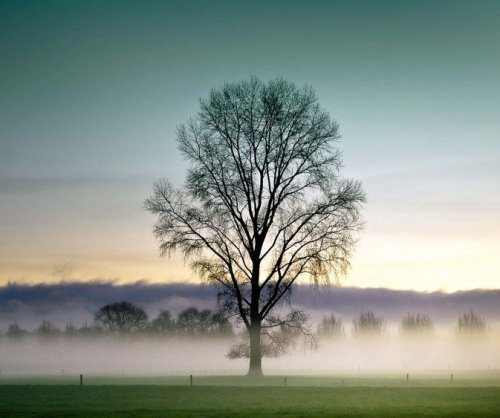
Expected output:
(442, 350)
(76, 302)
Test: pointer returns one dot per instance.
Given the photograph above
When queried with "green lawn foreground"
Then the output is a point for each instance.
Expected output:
(216, 401)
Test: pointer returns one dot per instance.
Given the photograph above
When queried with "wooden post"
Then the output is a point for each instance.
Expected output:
(191, 379)
(451, 378)
(81, 380)
(285, 380)
(407, 377)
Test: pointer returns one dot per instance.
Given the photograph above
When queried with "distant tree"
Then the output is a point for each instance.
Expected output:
(190, 321)
(90, 331)
(163, 323)
(331, 326)
(416, 323)
(470, 322)
(193, 322)
(70, 330)
(47, 330)
(219, 325)
(264, 205)
(122, 317)
(15, 331)
(367, 324)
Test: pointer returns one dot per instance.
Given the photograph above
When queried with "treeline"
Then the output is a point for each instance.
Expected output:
(369, 324)
(125, 318)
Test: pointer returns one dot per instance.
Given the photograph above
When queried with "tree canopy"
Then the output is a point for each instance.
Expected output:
(264, 205)
(122, 317)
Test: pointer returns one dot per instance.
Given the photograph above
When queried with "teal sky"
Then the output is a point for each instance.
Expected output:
(91, 93)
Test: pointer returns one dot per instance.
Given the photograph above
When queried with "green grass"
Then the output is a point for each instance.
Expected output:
(237, 396)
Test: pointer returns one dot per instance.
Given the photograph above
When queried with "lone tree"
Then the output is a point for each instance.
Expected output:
(122, 317)
(264, 205)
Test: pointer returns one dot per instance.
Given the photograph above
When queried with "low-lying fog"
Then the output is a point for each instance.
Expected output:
(444, 350)
(24, 307)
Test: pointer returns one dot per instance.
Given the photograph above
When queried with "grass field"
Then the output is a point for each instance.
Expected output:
(236, 396)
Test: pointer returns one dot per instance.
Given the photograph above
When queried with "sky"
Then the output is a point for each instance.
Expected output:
(91, 94)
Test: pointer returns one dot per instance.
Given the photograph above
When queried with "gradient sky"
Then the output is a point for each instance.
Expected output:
(91, 93)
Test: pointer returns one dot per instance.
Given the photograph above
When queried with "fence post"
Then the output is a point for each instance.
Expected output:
(407, 377)
(81, 380)
(191, 379)
(285, 380)
(451, 378)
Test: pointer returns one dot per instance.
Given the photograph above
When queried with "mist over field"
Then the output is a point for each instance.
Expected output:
(441, 349)
(443, 352)
(76, 302)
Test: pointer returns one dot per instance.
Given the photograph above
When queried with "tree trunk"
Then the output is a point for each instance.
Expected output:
(255, 368)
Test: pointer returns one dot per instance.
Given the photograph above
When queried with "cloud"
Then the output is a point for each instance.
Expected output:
(76, 302)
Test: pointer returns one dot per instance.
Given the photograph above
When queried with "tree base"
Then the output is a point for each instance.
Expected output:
(255, 373)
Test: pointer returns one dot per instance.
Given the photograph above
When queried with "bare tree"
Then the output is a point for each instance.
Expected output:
(418, 323)
(163, 323)
(471, 322)
(331, 326)
(368, 324)
(278, 335)
(192, 322)
(264, 205)
(15, 331)
(122, 317)
(47, 330)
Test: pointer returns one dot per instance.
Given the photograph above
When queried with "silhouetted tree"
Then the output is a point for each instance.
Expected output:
(219, 325)
(193, 322)
(122, 317)
(70, 330)
(15, 331)
(276, 340)
(418, 323)
(190, 321)
(90, 331)
(331, 326)
(264, 203)
(47, 330)
(368, 324)
(470, 322)
(163, 323)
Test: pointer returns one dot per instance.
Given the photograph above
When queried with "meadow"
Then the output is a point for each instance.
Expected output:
(351, 394)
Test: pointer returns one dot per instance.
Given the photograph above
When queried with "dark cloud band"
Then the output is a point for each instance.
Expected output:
(76, 301)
